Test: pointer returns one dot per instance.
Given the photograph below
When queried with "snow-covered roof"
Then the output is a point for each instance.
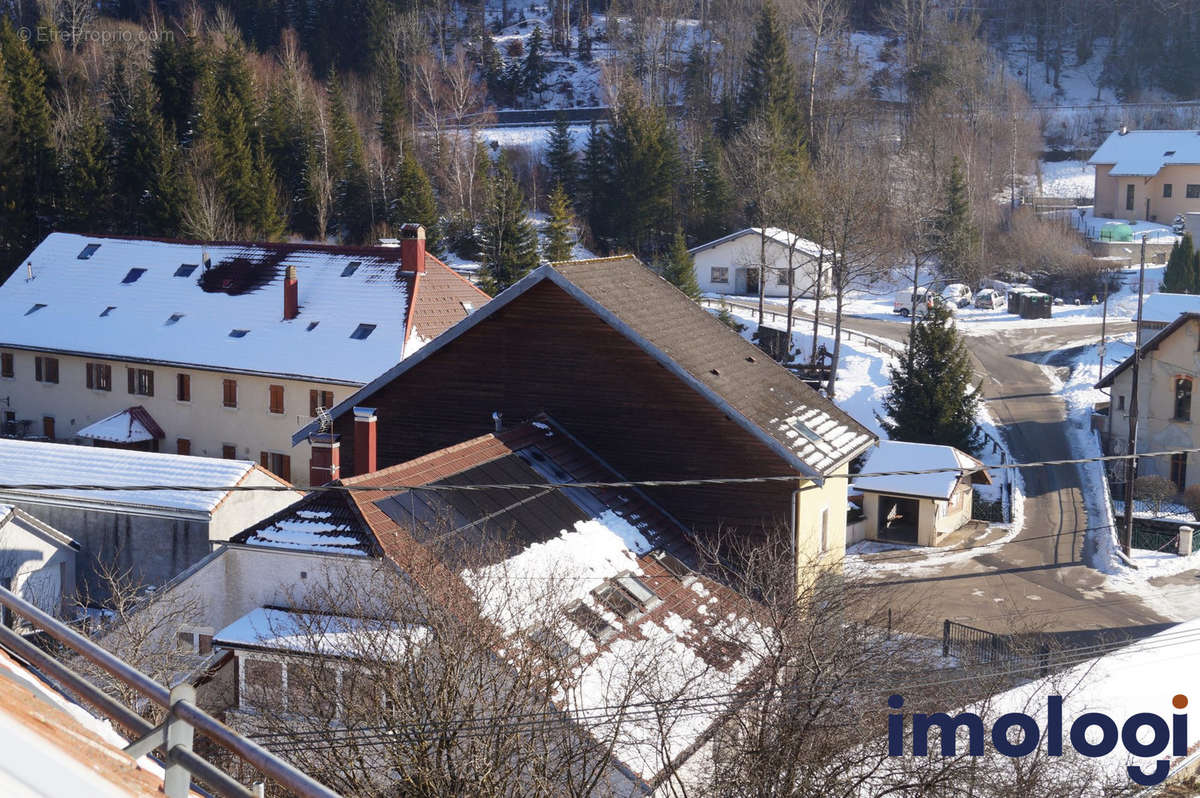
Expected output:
(323, 521)
(132, 425)
(1144, 152)
(154, 300)
(35, 462)
(1160, 308)
(565, 548)
(891, 456)
(275, 629)
(780, 236)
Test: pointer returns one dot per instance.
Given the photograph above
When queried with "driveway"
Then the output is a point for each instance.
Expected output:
(1039, 580)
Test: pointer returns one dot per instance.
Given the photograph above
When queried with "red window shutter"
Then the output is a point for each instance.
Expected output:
(37, 369)
(264, 459)
(149, 383)
(132, 374)
(91, 377)
(285, 467)
(312, 404)
(52, 369)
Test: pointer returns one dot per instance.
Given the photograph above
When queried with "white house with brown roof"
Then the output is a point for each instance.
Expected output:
(1153, 175)
(732, 264)
(210, 349)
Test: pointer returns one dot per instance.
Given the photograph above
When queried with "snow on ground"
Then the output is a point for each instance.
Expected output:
(533, 138)
(1092, 226)
(1069, 179)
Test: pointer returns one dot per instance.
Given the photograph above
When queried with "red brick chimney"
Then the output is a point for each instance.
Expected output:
(412, 248)
(325, 463)
(365, 429)
(291, 294)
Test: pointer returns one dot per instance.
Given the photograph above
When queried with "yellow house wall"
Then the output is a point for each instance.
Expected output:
(251, 427)
(1111, 193)
(1178, 355)
(811, 501)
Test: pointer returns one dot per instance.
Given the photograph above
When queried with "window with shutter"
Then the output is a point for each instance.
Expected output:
(183, 446)
(183, 387)
(275, 398)
(229, 393)
(6, 364)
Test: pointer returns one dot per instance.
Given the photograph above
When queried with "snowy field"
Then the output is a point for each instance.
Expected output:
(1068, 179)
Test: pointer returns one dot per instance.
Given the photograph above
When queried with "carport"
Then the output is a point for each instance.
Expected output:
(899, 519)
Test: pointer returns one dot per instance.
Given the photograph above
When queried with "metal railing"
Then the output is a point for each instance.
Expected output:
(798, 320)
(175, 735)
(971, 644)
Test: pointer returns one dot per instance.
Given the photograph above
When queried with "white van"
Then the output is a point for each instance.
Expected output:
(903, 302)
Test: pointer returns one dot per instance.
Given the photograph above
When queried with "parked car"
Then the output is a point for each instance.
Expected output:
(957, 294)
(905, 298)
(990, 299)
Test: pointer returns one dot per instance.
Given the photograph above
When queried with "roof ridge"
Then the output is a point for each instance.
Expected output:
(626, 256)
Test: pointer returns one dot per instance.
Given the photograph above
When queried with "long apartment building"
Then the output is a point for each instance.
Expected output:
(211, 349)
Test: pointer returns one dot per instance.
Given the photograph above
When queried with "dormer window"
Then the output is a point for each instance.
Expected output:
(107, 310)
(186, 269)
(36, 307)
(362, 331)
(238, 333)
(133, 275)
(88, 251)
(351, 268)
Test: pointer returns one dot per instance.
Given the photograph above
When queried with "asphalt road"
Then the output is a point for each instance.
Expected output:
(1039, 581)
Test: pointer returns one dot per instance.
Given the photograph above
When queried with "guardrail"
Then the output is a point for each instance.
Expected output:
(878, 344)
(173, 736)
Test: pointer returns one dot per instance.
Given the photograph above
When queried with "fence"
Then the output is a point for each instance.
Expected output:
(798, 322)
(1006, 478)
(174, 736)
(971, 644)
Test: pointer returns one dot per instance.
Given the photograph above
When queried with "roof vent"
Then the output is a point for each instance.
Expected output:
(1124, 129)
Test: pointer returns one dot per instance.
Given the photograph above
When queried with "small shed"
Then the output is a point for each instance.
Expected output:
(37, 562)
(919, 508)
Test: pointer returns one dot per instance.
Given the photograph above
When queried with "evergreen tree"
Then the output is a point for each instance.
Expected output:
(592, 191)
(348, 163)
(957, 238)
(1180, 276)
(560, 157)
(148, 182)
(680, 269)
(10, 184)
(711, 196)
(932, 399)
(644, 168)
(769, 89)
(87, 177)
(558, 227)
(535, 68)
(413, 200)
(36, 183)
(177, 64)
(509, 242)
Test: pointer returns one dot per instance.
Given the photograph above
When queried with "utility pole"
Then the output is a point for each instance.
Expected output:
(1103, 328)
(1131, 463)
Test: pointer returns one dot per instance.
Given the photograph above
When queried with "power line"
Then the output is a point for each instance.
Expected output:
(649, 483)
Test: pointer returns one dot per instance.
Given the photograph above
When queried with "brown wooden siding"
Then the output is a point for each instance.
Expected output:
(546, 353)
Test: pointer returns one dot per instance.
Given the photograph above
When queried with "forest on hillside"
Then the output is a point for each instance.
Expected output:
(338, 121)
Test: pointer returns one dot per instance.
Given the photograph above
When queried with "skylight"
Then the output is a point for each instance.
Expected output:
(36, 307)
(640, 591)
(186, 269)
(617, 600)
(362, 331)
(88, 251)
(312, 325)
(351, 268)
(133, 275)
(238, 333)
(108, 310)
(591, 622)
(468, 307)
(806, 431)
(1168, 153)
(674, 566)
(174, 318)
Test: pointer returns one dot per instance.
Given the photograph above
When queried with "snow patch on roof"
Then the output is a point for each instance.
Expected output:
(120, 427)
(312, 633)
(1164, 308)
(904, 456)
(1145, 152)
(35, 462)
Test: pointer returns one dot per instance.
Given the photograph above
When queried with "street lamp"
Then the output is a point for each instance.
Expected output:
(1131, 463)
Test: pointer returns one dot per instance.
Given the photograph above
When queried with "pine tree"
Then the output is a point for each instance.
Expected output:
(680, 269)
(957, 238)
(509, 242)
(533, 72)
(932, 399)
(769, 89)
(558, 227)
(10, 184)
(592, 199)
(36, 181)
(560, 157)
(1180, 276)
(644, 168)
(711, 195)
(177, 64)
(348, 163)
(87, 176)
(413, 200)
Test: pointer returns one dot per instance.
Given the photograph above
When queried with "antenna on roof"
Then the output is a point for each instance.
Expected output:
(207, 261)
(29, 267)
(324, 419)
